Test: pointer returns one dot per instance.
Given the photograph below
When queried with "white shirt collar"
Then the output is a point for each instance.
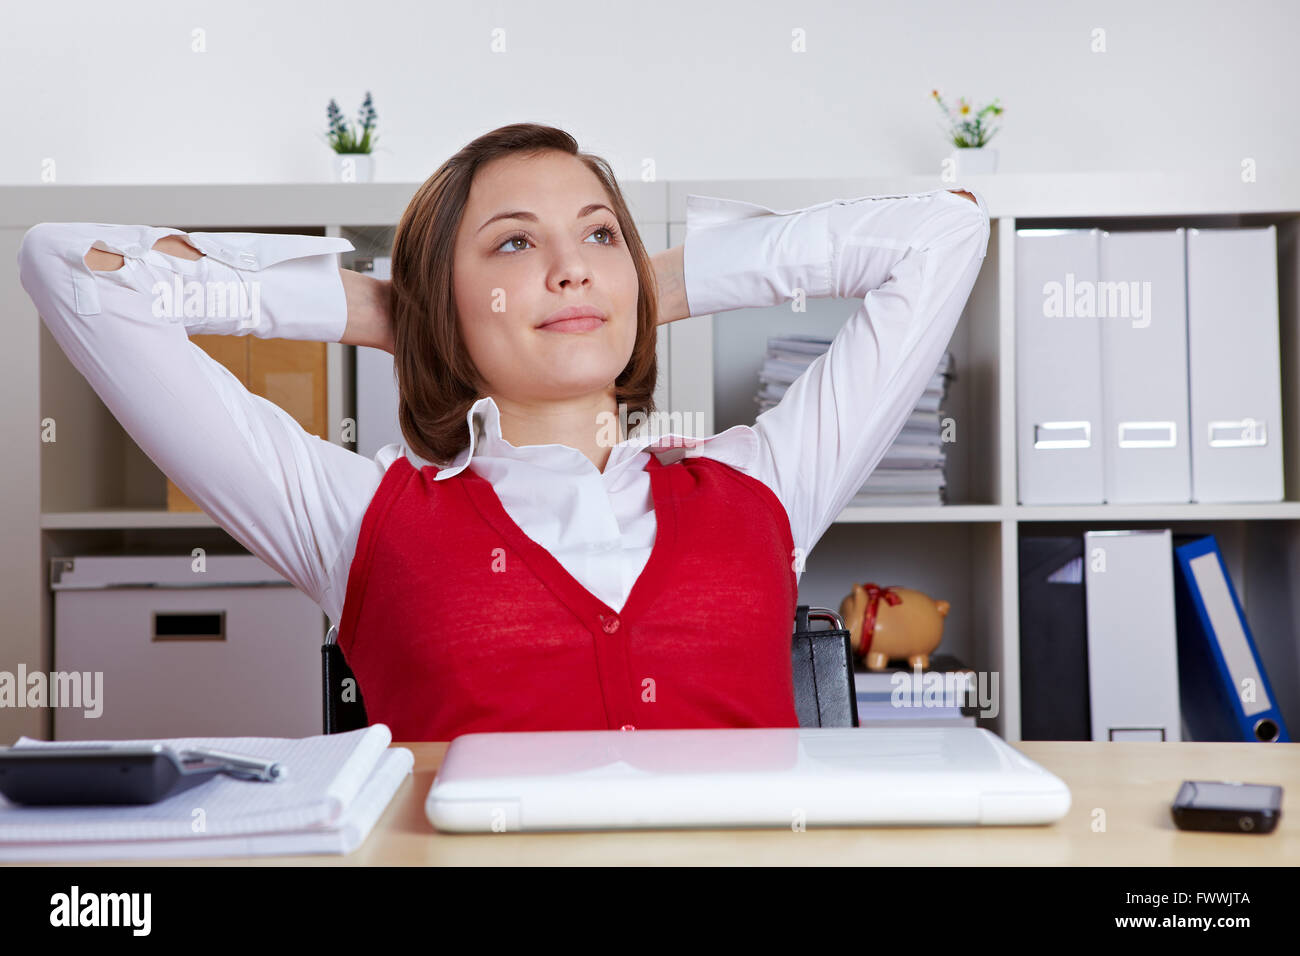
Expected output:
(737, 446)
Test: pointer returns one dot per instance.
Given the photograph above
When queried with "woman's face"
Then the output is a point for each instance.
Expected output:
(512, 274)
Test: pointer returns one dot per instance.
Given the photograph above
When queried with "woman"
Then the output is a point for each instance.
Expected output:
(521, 563)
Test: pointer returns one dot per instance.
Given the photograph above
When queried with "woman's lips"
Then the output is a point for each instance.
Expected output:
(582, 324)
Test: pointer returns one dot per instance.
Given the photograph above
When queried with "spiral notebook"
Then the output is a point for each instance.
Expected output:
(336, 789)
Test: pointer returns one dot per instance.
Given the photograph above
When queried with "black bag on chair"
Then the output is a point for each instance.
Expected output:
(824, 693)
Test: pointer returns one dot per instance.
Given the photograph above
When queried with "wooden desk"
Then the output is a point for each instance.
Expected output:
(1133, 783)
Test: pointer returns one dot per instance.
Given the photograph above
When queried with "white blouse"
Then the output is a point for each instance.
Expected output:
(297, 500)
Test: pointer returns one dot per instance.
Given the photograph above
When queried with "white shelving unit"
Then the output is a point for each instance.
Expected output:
(93, 491)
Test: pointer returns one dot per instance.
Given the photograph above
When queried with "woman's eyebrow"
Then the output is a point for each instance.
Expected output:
(532, 217)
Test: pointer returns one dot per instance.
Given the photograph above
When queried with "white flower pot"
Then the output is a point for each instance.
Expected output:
(354, 167)
(974, 161)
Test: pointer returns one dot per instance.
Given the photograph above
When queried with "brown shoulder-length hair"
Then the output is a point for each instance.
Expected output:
(437, 380)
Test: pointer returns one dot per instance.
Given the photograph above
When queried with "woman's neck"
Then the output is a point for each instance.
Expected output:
(589, 424)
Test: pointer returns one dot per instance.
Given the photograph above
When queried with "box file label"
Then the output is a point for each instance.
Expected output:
(1238, 434)
(1062, 434)
(1148, 434)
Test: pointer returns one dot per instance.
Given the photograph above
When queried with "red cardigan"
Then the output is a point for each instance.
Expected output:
(455, 621)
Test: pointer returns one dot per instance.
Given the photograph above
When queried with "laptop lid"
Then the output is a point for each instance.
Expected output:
(744, 777)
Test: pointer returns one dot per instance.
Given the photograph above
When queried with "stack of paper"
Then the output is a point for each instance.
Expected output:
(335, 790)
(911, 473)
(943, 694)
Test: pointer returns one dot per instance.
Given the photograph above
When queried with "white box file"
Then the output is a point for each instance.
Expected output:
(1132, 643)
(233, 650)
(1144, 367)
(1233, 361)
(1058, 368)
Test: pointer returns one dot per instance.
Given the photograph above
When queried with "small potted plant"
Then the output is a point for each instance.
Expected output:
(967, 130)
(353, 162)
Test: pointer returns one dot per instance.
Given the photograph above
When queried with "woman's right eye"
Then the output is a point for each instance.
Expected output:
(516, 236)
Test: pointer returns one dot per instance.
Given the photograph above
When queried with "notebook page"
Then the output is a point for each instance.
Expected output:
(325, 772)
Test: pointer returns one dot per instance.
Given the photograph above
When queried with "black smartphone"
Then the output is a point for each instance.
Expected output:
(100, 774)
(1227, 806)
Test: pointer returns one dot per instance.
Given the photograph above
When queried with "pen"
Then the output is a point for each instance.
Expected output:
(241, 766)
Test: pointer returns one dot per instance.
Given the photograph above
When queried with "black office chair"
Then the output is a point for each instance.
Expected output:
(345, 709)
(824, 695)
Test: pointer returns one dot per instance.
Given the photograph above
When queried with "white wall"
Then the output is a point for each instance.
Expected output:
(112, 92)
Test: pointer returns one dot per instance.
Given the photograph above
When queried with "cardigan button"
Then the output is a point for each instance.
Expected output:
(610, 625)
(627, 727)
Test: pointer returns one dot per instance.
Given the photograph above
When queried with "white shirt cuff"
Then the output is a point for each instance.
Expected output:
(291, 282)
(739, 255)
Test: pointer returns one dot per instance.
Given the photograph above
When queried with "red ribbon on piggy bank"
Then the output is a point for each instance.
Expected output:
(874, 594)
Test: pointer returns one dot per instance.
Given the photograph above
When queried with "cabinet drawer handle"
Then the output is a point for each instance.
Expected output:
(189, 625)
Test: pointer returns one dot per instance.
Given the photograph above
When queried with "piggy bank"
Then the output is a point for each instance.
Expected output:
(893, 623)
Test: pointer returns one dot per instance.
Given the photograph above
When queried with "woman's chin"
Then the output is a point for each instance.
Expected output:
(572, 382)
(583, 365)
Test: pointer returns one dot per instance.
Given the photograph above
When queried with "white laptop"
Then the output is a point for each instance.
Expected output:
(747, 777)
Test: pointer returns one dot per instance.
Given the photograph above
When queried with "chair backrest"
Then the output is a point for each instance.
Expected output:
(344, 707)
(824, 694)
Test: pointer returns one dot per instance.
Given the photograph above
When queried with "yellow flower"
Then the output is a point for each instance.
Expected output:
(964, 109)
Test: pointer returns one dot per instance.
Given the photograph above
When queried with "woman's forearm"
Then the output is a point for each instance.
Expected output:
(671, 279)
(368, 311)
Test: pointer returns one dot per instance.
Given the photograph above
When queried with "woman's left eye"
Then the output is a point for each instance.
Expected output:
(606, 228)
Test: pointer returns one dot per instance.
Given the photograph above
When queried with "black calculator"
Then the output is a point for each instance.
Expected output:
(99, 774)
